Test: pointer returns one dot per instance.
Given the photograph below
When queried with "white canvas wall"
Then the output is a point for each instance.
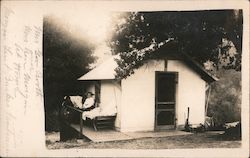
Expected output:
(138, 98)
(135, 98)
(111, 93)
(190, 93)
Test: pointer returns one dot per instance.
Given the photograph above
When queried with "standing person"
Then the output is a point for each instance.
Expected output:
(89, 102)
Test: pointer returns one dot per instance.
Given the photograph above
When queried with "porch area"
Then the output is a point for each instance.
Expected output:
(107, 135)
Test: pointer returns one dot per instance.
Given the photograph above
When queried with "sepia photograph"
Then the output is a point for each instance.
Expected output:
(143, 79)
(124, 78)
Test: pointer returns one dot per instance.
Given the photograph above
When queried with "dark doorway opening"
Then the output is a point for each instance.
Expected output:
(165, 100)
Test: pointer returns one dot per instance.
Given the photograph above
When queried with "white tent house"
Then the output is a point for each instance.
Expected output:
(156, 96)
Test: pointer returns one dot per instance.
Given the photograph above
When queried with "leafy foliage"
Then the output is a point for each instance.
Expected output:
(212, 38)
(201, 34)
(66, 58)
(225, 101)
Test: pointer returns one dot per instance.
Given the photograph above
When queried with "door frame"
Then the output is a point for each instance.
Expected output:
(165, 127)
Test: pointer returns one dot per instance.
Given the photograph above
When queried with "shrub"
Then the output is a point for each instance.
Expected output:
(225, 100)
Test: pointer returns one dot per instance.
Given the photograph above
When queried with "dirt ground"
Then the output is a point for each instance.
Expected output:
(199, 140)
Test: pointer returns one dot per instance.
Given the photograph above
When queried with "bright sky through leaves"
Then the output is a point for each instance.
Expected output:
(86, 23)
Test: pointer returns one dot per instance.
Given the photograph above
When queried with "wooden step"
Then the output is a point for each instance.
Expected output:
(105, 118)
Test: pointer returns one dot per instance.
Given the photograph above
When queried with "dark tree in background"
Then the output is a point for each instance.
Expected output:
(65, 58)
(204, 35)
(225, 99)
(213, 38)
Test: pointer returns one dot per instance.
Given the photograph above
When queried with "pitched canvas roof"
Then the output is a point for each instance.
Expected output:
(205, 75)
(106, 70)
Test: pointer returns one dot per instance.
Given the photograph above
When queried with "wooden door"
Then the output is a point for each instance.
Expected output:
(165, 100)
